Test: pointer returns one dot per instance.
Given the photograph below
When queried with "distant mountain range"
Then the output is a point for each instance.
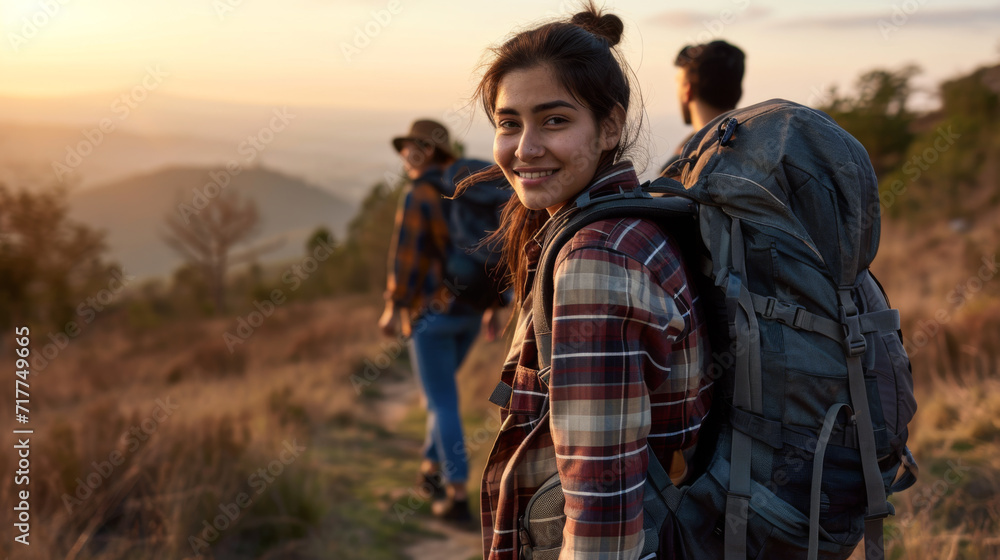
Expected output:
(36, 156)
(344, 151)
(132, 211)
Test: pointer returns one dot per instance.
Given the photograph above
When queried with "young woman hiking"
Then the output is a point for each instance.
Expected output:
(628, 341)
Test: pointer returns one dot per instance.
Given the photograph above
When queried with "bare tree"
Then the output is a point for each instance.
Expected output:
(206, 238)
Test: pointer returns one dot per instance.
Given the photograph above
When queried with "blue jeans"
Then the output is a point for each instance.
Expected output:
(438, 345)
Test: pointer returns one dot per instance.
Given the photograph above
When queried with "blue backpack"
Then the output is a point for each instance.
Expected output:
(473, 268)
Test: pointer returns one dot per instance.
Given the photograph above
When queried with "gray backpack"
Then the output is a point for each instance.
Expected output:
(777, 207)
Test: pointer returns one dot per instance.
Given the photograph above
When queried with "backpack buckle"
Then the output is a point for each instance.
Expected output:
(785, 313)
(855, 346)
(800, 317)
(854, 340)
(890, 510)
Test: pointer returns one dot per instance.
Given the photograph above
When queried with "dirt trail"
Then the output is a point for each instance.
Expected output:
(399, 396)
(455, 544)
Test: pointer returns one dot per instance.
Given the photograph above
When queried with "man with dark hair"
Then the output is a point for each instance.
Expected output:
(709, 83)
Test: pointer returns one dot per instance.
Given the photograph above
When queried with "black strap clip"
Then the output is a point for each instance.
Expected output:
(854, 339)
(889, 510)
(792, 315)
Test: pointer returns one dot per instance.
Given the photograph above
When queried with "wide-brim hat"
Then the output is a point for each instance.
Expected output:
(427, 133)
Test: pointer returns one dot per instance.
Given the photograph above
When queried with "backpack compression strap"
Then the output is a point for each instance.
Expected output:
(855, 345)
(747, 396)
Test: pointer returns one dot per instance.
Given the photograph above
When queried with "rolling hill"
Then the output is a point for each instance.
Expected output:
(132, 212)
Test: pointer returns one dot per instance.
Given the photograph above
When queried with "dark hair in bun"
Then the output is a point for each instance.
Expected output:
(608, 26)
(581, 53)
(583, 56)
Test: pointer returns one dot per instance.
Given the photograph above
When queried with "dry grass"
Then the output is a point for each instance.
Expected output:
(949, 300)
(167, 425)
(291, 380)
(954, 509)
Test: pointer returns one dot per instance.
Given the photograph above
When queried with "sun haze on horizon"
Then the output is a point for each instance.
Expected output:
(392, 55)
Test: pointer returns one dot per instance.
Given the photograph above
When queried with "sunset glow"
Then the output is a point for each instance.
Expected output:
(397, 54)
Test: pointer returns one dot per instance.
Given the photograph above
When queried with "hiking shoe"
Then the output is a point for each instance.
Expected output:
(435, 482)
(453, 511)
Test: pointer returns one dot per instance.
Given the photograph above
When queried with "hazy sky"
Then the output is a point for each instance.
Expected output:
(419, 58)
(358, 53)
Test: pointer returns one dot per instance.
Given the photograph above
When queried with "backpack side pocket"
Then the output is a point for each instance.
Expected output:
(541, 526)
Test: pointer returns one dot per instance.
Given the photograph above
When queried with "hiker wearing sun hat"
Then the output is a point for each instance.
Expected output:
(428, 134)
(440, 327)
(421, 240)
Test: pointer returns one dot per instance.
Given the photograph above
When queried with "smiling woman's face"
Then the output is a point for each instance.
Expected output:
(547, 144)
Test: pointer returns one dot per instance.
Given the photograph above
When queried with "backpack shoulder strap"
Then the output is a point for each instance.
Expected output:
(638, 203)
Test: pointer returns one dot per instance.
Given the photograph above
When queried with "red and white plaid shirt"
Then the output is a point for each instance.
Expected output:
(629, 347)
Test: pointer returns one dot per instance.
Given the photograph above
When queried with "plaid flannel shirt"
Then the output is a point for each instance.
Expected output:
(628, 351)
(419, 251)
